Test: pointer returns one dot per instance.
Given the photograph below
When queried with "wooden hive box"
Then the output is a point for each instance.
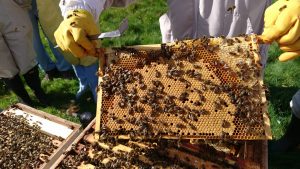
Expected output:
(60, 132)
(209, 155)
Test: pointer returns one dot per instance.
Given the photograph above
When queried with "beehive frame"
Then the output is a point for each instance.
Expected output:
(242, 154)
(218, 76)
(49, 122)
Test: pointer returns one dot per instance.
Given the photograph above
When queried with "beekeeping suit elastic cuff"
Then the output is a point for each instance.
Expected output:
(295, 104)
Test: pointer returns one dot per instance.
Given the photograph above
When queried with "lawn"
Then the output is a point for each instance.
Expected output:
(281, 79)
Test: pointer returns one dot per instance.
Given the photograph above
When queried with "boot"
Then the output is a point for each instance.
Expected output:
(34, 82)
(17, 86)
(85, 118)
(51, 74)
(69, 74)
(291, 138)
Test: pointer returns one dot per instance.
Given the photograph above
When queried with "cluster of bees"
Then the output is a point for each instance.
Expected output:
(92, 154)
(114, 153)
(22, 145)
(149, 96)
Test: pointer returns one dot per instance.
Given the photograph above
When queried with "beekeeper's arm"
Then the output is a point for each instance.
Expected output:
(282, 24)
(80, 20)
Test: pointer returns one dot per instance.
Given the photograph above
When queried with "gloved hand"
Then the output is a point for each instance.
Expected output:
(71, 35)
(282, 24)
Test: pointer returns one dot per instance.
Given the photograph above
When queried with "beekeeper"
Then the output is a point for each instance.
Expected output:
(50, 17)
(282, 24)
(17, 56)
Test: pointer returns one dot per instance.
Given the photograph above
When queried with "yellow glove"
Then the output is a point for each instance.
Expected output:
(282, 24)
(71, 35)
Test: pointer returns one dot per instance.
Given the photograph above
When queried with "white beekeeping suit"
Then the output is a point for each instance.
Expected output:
(95, 7)
(25, 4)
(196, 18)
(17, 55)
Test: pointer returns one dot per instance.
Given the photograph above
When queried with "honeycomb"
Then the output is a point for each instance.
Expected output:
(208, 88)
(86, 152)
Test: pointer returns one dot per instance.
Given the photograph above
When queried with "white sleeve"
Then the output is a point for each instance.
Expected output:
(95, 7)
(165, 29)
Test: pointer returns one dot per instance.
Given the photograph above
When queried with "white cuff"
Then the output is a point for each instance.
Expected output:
(95, 7)
(66, 9)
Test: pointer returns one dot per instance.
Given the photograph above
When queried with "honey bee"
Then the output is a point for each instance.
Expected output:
(196, 66)
(232, 53)
(179, 64)
(192, 126)
(69, 16)
(192, 117)
(197, 103)
(230, 42)
(183, 96)
(120, 121)
(180, 126)
(282, 8)
(182, 117)
(224, 135)
(212, 48)
(237, 40)
(217, 106)
(231, 9)
(225, 124)
(122, 104)
(73, 24)
(247, 38)
(131, 111)
(157, 74)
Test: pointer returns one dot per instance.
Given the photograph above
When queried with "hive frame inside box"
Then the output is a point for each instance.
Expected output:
(69, 146)
(266, 120)
(252, 151)
(46, 122)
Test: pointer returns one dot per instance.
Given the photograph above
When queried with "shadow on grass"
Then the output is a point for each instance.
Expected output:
(3, 88)
(87, 103)
(62, 101)
(61, 93)
(279, 109)
(280, 97)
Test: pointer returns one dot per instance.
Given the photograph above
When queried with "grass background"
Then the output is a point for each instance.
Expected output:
(282, 79)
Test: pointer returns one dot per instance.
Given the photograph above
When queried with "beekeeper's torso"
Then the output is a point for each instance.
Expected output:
(196, 18)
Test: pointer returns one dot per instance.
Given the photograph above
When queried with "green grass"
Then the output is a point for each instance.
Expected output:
(143, 23)
(282, 79)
